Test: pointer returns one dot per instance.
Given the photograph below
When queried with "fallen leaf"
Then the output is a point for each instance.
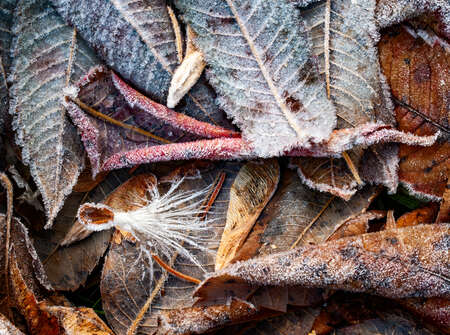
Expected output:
(143, 124)
(7, 328)
(136, 39)
(434, 310)
(418, 75)
(134, 295)
(252, 189)
(385, 325)
(390, 12)
(356, 225)
(418, 216)
(263, 71)
(70, 252)
(399, 263)
(44, 65)
(444, 212)
(6, 15)
(192, 320)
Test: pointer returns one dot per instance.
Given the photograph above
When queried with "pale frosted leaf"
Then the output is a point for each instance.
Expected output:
(47, 57)
(398, 263)
(344, 34)
(131, 284)
(261, 64)
(136, 39)
(6, 18)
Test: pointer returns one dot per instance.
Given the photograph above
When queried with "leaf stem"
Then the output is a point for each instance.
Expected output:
(352, 167)
(109, 119)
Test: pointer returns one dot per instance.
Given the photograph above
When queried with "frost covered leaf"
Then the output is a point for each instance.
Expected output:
(48, 57)
(136, 39)
(69, 243)
(111, 146)
(297, 322)
(263, 70)
(344, 34)
(252, 189)
(7, 328)
(330, 175)
(6, 18)
(418, 74)
(398, 263)
(389, 12)
(135, 292)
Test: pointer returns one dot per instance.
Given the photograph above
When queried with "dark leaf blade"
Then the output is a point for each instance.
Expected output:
(135, 38)
(6, 19)
(263, 71)
(48, 57)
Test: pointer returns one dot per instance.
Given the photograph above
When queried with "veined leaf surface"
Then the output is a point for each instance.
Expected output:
(261, 64)
(48, 57)
(136, 39)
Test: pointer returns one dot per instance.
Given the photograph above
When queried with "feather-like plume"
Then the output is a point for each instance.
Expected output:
(163, 224)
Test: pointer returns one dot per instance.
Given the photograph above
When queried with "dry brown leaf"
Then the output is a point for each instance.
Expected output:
(418, 216)
(418, 73)
(444, 212)
(252, 189)
(133, 296)
(399, 263)
(356, 225)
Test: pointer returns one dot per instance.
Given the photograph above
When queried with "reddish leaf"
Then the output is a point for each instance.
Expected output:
(419, 77)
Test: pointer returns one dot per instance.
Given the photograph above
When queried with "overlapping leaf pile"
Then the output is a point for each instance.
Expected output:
(290, 124)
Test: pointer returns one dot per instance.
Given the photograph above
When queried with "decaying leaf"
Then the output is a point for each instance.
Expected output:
(398, 263)
(421, 215)
(6, 18)
(71, 244)
(146, 131)
(47, 57)
(136, 39)
(133, 296)
(419, 77)
(252, 189)
(263, 70)
(444, 212)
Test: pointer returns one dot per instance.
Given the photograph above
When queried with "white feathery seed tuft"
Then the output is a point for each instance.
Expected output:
(165, 224)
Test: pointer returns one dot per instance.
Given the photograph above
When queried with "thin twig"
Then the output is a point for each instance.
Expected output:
(6, 183)
(109, 119)
(176, 273)
(177, 31)
(313, 221)
(352, 167)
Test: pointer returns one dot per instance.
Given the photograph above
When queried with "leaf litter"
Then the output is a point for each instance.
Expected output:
(201, 246)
